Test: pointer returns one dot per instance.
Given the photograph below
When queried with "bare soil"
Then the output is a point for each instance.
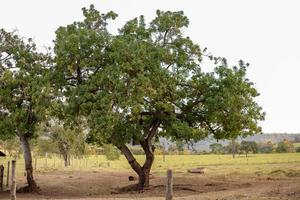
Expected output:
(108, 185)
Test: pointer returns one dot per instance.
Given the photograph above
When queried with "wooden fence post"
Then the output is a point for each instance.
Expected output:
(1, 177)
(7, 175)
(13, 180)
(169, 190)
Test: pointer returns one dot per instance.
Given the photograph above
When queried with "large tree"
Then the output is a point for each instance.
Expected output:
(146, 82)
(21, 70)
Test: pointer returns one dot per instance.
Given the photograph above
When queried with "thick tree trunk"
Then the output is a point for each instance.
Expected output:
(64, 150)
(149, 151)
(143, 171)
(32, 186)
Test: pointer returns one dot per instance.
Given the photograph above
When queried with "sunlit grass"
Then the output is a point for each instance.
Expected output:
(214, 164)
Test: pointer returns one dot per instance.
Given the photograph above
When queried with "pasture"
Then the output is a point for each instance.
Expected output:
(264, 176)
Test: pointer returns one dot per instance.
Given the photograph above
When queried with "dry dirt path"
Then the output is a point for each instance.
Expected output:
(103, 186)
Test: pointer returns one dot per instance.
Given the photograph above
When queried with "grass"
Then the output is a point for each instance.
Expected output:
(214, 164)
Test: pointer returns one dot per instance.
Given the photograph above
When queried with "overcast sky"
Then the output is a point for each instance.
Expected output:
(264, 33)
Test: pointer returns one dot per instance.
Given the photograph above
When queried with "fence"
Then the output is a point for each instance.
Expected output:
(13, 186)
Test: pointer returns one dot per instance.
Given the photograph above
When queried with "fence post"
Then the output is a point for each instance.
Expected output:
(13, 180)
(7, 175)
(1, 177)
(169, 190)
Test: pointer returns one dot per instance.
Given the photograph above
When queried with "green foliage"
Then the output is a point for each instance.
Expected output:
(180, 145)
(110, 152)
(21, 80)
(44, 146)
(298, 149)
(285, 147)
(249, 146)
(267, 147)
(57, 138)
(147, 78)
(216, 148)
(233, 147)
(12, 146)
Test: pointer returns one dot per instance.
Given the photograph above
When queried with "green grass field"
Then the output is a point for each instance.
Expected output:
(256, 176)
(216, 164)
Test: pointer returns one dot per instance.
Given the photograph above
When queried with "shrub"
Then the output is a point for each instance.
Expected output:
(110, 152)
(285, 147)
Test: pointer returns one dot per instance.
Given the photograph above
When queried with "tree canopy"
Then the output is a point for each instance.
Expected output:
(146, 82)
(22, 89)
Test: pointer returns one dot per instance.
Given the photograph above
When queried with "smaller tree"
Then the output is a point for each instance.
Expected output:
(12, 146)
(67, 140)
(216, 148)
(233, 147)
(285, 147)
(110, 152)
(266, 147)
(249, 146)
(180, 146)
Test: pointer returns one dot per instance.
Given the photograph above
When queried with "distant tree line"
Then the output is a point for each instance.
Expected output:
(246, 147)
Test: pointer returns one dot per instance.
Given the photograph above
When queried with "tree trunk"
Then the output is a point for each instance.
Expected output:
(149, 151)
(32, 186)
(142, 172)
(233, 148)
(64, 151)
(66, 159)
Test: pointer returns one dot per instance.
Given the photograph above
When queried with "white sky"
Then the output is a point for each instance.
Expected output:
(264, 33)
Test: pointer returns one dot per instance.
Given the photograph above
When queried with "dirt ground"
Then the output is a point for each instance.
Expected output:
(106, 185)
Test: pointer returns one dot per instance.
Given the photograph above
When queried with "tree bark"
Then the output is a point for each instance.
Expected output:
(143, 171)
(134, 165)
(32, 186)
(64, 150)
(233, 148)
(149, 151)
(66, 159)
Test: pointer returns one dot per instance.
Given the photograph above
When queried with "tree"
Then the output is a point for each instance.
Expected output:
(285, 147)
(12, 146)
(234, 147)
(216, 148)
(66, 140)
(249, 146)
(146, 82)
(179, 146)
(110, 152)
(266, 147)
(21, 71)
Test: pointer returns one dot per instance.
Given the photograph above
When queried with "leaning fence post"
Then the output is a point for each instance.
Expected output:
(7, 175)
(13, 180)
(1, 177)
(169, 190)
